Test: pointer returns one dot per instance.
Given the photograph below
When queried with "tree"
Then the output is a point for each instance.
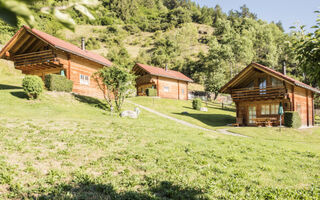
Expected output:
(116, 84)
(308, 53)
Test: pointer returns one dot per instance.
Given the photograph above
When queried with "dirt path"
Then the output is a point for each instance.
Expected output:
(219, 131)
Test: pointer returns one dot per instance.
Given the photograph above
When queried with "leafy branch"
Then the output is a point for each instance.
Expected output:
(11, 10)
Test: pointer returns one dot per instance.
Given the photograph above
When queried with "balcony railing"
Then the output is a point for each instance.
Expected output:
(34, 58)
(258, 93)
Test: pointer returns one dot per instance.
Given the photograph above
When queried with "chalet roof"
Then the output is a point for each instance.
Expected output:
(271, 72)
(157, 71)
(62, 45)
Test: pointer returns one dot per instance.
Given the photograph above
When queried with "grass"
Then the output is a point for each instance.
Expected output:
(215, 118)
(66, 147)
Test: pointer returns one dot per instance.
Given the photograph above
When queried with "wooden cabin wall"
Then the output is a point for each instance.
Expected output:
(175, 88)
(74, 66)
(243, 108)
(303, 104)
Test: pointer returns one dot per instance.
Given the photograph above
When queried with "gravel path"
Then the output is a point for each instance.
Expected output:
(221, 131)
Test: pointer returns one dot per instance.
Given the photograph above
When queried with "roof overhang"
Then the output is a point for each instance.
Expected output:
(27, 29)
(288, 80)
(190, 81)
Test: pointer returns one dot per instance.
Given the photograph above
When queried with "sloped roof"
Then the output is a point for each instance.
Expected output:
(157, 71)
(271, 72)
(65, 46)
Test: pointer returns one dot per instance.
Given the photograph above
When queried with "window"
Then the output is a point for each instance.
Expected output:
(265, 109)
(262, 85)
(274, 109)
(252, 114)
(276, 82)
(166, 88)
(182, 91)
(84, 80)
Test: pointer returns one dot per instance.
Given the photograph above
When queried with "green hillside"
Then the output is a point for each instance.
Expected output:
(67, 147)
(199, 41)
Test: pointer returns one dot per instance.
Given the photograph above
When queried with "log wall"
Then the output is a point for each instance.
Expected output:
(177, 89)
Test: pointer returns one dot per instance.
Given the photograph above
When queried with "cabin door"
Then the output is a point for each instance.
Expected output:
(252, 114)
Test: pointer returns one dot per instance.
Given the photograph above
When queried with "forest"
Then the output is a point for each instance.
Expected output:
(207, 44)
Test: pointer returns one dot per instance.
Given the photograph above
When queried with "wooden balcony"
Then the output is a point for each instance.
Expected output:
(258, 93)
(141, 80)
(34, 58)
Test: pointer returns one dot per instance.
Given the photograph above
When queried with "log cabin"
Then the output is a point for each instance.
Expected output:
(38, 53)
(168, 83)
(258, 90)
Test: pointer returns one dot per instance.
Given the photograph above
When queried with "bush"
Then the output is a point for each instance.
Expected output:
(196, 103)
(131, 28)
(32, 86)
(292, 119)
(151, 92)
(59, 83)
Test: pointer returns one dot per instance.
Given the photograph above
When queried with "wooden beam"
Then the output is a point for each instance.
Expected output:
(30, 43)
(313, 117)
(178, 90)
(36, 46)
(187, 92)
(293, 101)
(21, 42)
(158, 86)
(307, 98)
(69, 67)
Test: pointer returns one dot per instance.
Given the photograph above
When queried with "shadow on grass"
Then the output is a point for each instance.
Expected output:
(8, 87)
(211, 119)
(91, 101)
(95, 191)
(20, 94)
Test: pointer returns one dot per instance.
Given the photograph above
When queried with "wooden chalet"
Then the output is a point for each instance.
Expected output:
(169, 83)
(37, 53)
(257, 91)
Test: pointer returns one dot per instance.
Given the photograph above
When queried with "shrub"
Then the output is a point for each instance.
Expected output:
(32, 86)
(151, 92)
(59, 83)
(131, 28)
(196, 103)
(292, 119)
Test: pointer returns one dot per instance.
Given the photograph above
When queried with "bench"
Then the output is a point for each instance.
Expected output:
(265, 121)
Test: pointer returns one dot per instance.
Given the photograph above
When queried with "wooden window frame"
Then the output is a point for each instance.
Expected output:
(83, 81)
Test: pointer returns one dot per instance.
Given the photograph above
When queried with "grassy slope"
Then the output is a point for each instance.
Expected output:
(215, 118)
(61, 148)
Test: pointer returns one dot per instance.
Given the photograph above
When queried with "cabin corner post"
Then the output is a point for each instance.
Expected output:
(293, 102)
(313, 113)
(187, 92)
(308, 113)
(69, 67)
(178, 90)
(158, 89)
(237, 109)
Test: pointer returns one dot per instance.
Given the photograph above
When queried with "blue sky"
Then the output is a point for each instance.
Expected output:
(286, 11)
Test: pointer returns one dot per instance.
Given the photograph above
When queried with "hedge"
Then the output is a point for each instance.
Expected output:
(32, 86)
(196, 103)
(292, 119)
(151, 92)
(54, 82)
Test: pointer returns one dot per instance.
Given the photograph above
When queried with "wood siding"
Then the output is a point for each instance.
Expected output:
(177, 89)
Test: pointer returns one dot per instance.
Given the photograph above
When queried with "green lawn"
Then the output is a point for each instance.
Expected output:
(215, 118)
(63, 147)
